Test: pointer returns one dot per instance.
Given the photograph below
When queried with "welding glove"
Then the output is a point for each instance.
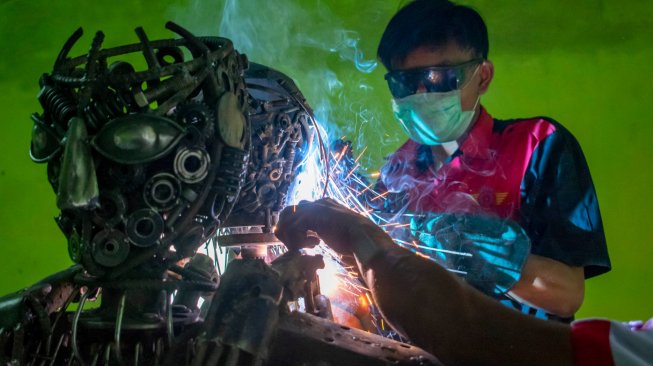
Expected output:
(488, 252)
(344, 230)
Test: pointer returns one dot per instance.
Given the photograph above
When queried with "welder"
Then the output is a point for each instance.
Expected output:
(460, 160)
(440, 313)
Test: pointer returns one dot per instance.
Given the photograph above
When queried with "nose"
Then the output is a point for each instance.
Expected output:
(77, 186)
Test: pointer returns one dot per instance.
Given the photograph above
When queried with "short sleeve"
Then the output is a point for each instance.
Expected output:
(599, 342)
(559, 207)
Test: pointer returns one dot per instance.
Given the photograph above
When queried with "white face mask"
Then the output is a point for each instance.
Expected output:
(433, 118)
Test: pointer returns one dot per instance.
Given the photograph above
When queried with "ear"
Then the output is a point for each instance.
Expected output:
(487, 73)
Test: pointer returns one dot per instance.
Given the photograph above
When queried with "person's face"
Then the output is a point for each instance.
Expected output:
(479, 77)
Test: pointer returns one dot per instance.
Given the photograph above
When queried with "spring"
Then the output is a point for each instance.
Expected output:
(101, 110)
(59, 106)
(231, 172)
(291, 148)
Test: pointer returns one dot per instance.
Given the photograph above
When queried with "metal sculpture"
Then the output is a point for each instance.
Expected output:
(148, 164)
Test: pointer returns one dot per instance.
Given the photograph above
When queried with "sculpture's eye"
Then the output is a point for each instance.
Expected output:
(137, 138)
(45, 142)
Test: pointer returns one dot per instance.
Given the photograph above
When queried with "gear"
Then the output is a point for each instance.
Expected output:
(198, 115)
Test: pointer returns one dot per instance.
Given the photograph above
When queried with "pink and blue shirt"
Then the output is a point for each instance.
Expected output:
(531, 171)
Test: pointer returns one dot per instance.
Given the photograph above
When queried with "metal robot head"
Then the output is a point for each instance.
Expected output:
(145, 162)
(283, 127)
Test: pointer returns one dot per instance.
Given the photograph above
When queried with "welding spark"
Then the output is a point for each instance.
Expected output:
(427, 248)
(366, 188)
(352, 171)
(335, 176)
(361, 154)
(380, 196)
(340, 155)
(394, 225)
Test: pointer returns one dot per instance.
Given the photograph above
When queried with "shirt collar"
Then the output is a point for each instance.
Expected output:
(477, 142)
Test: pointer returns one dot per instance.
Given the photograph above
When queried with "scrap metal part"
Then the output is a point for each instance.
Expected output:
(148, 165)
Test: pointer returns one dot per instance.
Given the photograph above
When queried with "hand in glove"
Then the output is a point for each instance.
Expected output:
(490, 250)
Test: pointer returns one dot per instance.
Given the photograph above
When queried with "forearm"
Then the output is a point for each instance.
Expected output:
(459, 325)
(436, 310)
(550, 285)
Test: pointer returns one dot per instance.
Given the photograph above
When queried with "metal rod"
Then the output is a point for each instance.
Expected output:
(95, 359)
(148, 52)
(233, 357)
(107, 354)
(215, 355)
(63, 54)
(137, 353)
(65, 306)
(56, 350)
(116, 336)
(78, 313)
(169, 323)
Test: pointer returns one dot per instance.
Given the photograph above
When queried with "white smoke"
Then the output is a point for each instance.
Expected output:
(332, 63)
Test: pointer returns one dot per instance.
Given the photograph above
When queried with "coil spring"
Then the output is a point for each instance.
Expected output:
(59, 106)
(100, 111)
(291, 145)
(231, 172)
(290, 159)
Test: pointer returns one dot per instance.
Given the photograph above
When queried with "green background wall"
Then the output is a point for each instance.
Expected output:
(587, 63)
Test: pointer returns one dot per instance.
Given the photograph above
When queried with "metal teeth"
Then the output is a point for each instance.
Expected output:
(199, 116)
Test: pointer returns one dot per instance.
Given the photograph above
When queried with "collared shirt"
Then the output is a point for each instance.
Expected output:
(530, 170)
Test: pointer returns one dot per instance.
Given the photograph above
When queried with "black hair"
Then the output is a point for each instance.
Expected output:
(432, 23)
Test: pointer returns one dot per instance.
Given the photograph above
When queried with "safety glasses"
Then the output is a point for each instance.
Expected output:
(403, 83)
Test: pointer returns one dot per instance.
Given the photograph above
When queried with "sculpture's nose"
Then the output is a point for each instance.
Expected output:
(77, 186)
